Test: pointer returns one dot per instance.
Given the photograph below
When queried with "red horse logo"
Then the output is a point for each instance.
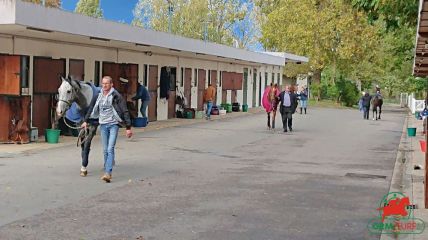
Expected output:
(395, 207)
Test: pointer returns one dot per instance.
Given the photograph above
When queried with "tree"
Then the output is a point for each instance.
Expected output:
(330, 33)
(48, 3)
(247, 31)
(394, 13)
(90, 8)
(396, 49)
(201, 19)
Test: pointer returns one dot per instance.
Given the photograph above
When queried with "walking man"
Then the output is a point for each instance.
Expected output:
(144, 95)
(110, 108)
(209, 97)
(366, 99)
(288, 105)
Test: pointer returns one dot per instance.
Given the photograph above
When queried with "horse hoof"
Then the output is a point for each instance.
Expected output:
(83, 173)
(373, 119)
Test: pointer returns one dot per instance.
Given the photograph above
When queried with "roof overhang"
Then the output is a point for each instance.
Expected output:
(34, 21)
(420, 65)
(290, 58)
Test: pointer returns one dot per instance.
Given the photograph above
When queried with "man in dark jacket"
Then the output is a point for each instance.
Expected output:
(288, 105)
(144, 95)
(366, 99)
(110, 110)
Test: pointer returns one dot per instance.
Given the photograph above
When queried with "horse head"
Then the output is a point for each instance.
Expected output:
(67, 94)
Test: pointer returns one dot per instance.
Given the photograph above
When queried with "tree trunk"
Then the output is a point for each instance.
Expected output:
(317, 80)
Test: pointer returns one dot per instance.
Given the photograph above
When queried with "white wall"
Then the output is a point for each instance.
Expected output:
(35, 47)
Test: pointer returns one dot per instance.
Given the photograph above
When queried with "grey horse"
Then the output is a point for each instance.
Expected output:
(74, 98)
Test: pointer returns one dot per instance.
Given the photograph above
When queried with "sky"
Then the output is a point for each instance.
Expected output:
(116, 10)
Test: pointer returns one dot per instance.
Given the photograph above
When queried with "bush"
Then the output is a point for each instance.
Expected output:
(349, 94)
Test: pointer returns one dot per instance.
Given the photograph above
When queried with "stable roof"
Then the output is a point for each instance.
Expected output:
(420, 66)
(31, 20)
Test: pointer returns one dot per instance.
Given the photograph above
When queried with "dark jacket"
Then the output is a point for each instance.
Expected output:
(366, 100)
(119, 105)
(293, 100)
(142, 93)
(303, 95)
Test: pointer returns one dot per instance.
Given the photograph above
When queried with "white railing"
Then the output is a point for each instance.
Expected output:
(415, 105)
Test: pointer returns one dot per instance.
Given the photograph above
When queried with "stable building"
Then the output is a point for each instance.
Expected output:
(39, 44)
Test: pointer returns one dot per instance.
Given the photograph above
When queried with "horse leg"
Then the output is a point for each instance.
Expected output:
(86, 148)
(268, 120)
(380, 111)
(273, 119)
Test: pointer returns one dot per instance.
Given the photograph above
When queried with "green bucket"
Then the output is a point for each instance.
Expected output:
(245, 107)
(189, 115)
(411, 132)
(52, 135)
(229, 108)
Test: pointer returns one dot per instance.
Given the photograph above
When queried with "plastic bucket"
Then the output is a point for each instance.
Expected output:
(139, 122)
(423, 145)
(417, 115)
(245, 108)
(411, 132)
(52, 135)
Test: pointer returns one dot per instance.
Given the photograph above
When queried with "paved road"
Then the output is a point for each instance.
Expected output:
(229, 179)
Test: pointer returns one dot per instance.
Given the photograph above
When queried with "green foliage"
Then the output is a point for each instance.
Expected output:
(89, 8)
(219, 21)
(330, 33)
(48, 3)
(395, 13)
(348, 92)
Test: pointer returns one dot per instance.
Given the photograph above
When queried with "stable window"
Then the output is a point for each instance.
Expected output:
(97, 73)
(146, 76)
(182, 78)
(25, 71)
(195, 78)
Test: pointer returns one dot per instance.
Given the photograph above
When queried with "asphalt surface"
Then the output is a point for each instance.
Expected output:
(228, 179)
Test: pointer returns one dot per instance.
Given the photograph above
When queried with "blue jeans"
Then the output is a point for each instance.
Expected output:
(303, 103)
(108, 138)
(209, 107)
(143, 108)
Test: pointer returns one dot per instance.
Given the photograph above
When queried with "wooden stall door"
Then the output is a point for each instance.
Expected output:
(129, 72)
(112, 70)
(10, 68)
(41, 112)
(188, 86)
(201, 87)
(237, 81)
(47, 74)
(77, 69)
(153, 90)
(46, 82)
